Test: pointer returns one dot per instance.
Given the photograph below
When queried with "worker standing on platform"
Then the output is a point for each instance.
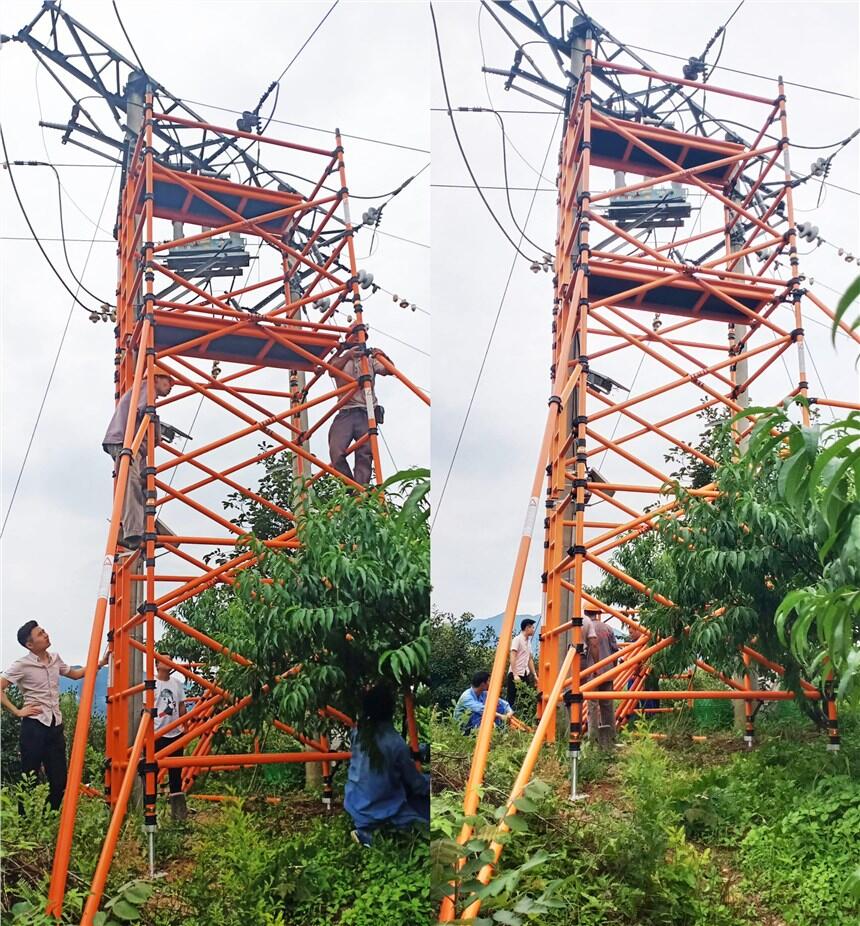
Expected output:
(472, 702)
(600, 644)
(522, 667)
(384, 787)
(169, 706)
(351, 423)
(131, 530)
(37, 677)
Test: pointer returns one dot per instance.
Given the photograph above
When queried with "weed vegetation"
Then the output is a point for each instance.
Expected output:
(242, 862)
(672, 833)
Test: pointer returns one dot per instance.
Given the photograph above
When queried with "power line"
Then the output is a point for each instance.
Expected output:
(723, 67)
(314, 128)
(75, 277)
(56, 272)
(489, 340)
(490, 99)
(130, 44)
(306, 41)
(53, 368)
(460, 144)
(484, 186)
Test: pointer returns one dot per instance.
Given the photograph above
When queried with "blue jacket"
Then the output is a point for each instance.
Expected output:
(473, 705)
(396, 792)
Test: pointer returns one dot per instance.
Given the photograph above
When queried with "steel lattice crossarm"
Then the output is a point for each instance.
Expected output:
(732, 314)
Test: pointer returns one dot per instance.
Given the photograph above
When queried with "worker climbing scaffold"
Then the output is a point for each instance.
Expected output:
(276, 362)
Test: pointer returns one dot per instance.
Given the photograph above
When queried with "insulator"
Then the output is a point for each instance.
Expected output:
(413, 307)
(535, 267)
(404, 303)
(656, 324)
(216, 369)
(811, 281)
(395, 297)
(841, 251)
(94, 317)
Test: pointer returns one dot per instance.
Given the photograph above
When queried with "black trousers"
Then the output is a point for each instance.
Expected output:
(528, 678)
(45, 747)
(174, 775)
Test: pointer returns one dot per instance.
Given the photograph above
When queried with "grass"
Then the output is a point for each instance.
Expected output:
(673, 833)
(241, 862)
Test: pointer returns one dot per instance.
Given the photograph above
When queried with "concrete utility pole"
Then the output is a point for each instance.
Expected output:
(740, 373)
(579, 32)
(135, 91)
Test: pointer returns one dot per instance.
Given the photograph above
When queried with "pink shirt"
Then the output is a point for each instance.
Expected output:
(39, 683)
(522, 650)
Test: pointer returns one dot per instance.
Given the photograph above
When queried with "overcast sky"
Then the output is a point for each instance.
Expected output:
(480, 519)
(365, 71)
(372, 71)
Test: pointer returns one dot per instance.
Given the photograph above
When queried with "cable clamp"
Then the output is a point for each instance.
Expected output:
(149, 471)
(796, 333)
(576, 550)
(125, 452)
(149, 684)
(149, 297)
(803, 384)
(580, 419)
(582, 196)
(555, 400)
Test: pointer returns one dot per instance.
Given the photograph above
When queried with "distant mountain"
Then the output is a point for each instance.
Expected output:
(99, 703)
(495, 623)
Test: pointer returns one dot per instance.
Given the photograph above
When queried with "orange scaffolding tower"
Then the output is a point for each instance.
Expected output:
(176, 331)
(598, 317)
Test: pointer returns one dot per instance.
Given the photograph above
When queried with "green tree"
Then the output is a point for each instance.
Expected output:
(458, 652)
(350, 606)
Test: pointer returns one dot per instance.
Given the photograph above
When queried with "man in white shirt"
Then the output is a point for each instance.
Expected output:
(37, 677)
(170, 706)
(522, 667)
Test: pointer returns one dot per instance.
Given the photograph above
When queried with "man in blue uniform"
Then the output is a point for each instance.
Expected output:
(471, 702)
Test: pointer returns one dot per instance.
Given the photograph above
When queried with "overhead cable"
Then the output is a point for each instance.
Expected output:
(438, 505)
(495, 218)
(53, 365)
(50, 263)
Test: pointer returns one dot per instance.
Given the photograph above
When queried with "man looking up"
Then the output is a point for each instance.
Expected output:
(351, 422)
(472, 702)
(37, 677)
(522, 667)
(131, 529)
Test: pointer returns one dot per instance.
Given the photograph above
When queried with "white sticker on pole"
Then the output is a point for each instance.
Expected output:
(531, 514)
(104, 580)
